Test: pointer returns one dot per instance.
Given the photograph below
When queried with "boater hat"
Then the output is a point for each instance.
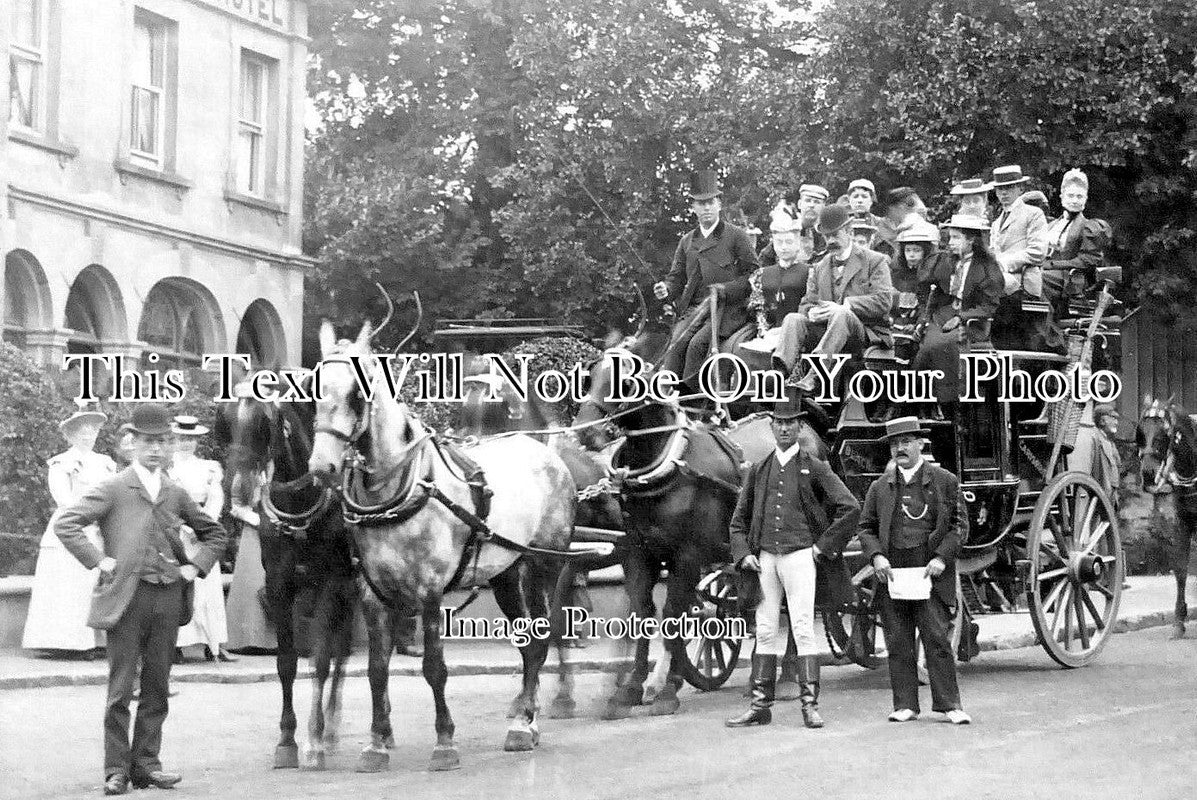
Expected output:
(862, 224)
(965, 222)
(971, 186)
(150, 419)
(79, 417)
(814, 190)
(904, 426)
(1008, 176)
(920, 231)
(704, 184)
(187, 425)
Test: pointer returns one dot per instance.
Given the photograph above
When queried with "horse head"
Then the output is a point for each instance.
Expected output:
(265, 437)
(480, 415)
(598, 405)
(1153, 437)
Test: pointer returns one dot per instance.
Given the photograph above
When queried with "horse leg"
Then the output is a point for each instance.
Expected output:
(1186, 523)
(660, 675)
(314, 756)
(444, 755)
(639, 578)
(375, 758)
(281, 591)
(340, 640)
(683, 577)
(563, 705)
(523, 733)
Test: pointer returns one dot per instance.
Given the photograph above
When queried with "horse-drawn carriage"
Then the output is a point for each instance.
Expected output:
(1043, 539)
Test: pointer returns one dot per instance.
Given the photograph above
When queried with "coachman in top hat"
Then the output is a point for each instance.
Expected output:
(718, 254)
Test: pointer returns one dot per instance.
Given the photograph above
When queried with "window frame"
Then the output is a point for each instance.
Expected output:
(159, 35)
(37, 55)
(258, 183)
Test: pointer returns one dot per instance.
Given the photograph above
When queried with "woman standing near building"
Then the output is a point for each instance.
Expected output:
(201, 479)
(62, 587)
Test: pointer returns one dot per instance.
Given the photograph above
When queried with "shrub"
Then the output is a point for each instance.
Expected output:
(560, 353)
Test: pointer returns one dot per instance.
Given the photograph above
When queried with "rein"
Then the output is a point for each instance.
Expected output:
(290, 524)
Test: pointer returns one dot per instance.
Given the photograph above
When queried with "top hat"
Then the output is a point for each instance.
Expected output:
(79, 417)
(791, 407)
(704, 184)
(965, 222)
(905, 426)
(920, 231)
(187, 425)
(150, 419)
(863, 183)
(971, 186)
(814, 190)
(831, 219)
(1008, 176)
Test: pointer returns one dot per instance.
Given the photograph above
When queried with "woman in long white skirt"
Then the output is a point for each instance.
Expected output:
(203, 480)
(62, 587)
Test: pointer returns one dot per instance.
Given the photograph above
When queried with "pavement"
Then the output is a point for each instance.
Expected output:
(1124, 726)
(1147, 602)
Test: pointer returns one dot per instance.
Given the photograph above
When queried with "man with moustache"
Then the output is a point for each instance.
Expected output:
(144, 593)
(846, 307)
(914, 517)
(715, 254)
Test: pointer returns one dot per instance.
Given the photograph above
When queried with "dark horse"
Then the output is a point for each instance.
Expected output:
(306, 556)
(1167, 442)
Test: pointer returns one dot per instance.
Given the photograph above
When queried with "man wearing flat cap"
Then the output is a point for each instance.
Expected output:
(914, 518)
(715, 254)
(846, 307)
(144, 592)
(792, 509)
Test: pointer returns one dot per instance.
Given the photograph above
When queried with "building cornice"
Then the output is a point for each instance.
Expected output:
(296, 261)
(286, 34)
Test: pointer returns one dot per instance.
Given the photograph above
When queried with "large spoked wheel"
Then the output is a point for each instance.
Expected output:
(855, 633)
(1076, 569)
(711, 661)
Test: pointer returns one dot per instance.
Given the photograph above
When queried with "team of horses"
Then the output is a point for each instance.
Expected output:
(366, 506)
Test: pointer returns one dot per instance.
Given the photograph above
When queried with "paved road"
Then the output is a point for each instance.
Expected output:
(1123, 727)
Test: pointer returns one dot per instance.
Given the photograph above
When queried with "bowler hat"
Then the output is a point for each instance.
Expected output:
(831, 219)
(863, 183)
(971, 186)
(150, 419)
(1008, 176)
(905, 426)
(791, 407)
(814, 190)
(79, 417)
(187, 425)
(965, 222)
(704, 184)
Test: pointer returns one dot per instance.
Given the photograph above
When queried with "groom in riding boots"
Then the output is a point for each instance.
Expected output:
(914, 516)
(791, 511)
(715, 254)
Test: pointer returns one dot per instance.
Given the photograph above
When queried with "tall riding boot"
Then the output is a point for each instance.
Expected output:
(808, 685)
(764, 681)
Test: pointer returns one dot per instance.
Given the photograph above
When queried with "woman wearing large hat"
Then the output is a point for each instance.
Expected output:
(203, 480)
(966, 286)
(62, 587)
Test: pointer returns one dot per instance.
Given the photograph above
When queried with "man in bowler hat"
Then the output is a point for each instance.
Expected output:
(144, 591)
(792, 509)
(914, 516)
(715, 254)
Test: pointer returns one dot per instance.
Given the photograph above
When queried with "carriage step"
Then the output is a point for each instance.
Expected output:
(972, 598)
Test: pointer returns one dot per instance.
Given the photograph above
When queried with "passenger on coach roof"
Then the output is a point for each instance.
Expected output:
(974, 198)
(1074, 241)
(862, 195)
(919, 258)
(1018, 241)
(966, 286)
(776, 290)
(715, 254)
(863, 233)
(903, 208)
(846, 305)
(806, 205)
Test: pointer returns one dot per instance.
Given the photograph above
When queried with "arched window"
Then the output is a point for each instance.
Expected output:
(174, 322)
(94, 311)
(261, 335)
(24, 287)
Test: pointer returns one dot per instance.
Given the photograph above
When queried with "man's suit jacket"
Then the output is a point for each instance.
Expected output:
(1018, 239)
(946, 505)
(1085, 243)
(727, 257)
(865, 287)
(122, 508)
(831, 510)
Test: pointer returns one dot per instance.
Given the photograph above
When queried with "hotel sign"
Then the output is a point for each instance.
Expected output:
(264, 12)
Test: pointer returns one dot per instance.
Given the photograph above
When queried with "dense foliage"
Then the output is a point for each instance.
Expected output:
(461, 140)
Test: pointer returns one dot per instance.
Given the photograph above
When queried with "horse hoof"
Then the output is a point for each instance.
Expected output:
(616, 710)
(373, 761)
(286, 756)
(650, 693)
(1177, 632)
(444, 757)
(520, 741)
(314, 760)
(562, 708)
(664, 706)
(629, 695)
(389, 742)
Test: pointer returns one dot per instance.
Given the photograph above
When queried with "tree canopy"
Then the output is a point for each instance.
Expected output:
(527, 157)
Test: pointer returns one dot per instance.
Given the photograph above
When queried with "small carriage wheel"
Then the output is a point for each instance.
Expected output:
(855, 632)
(1074, 583)
(710, 662)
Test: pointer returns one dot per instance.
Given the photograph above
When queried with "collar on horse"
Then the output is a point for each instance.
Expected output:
(657, 477)
(294, 525)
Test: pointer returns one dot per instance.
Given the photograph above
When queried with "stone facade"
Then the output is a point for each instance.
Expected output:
(153, 181)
